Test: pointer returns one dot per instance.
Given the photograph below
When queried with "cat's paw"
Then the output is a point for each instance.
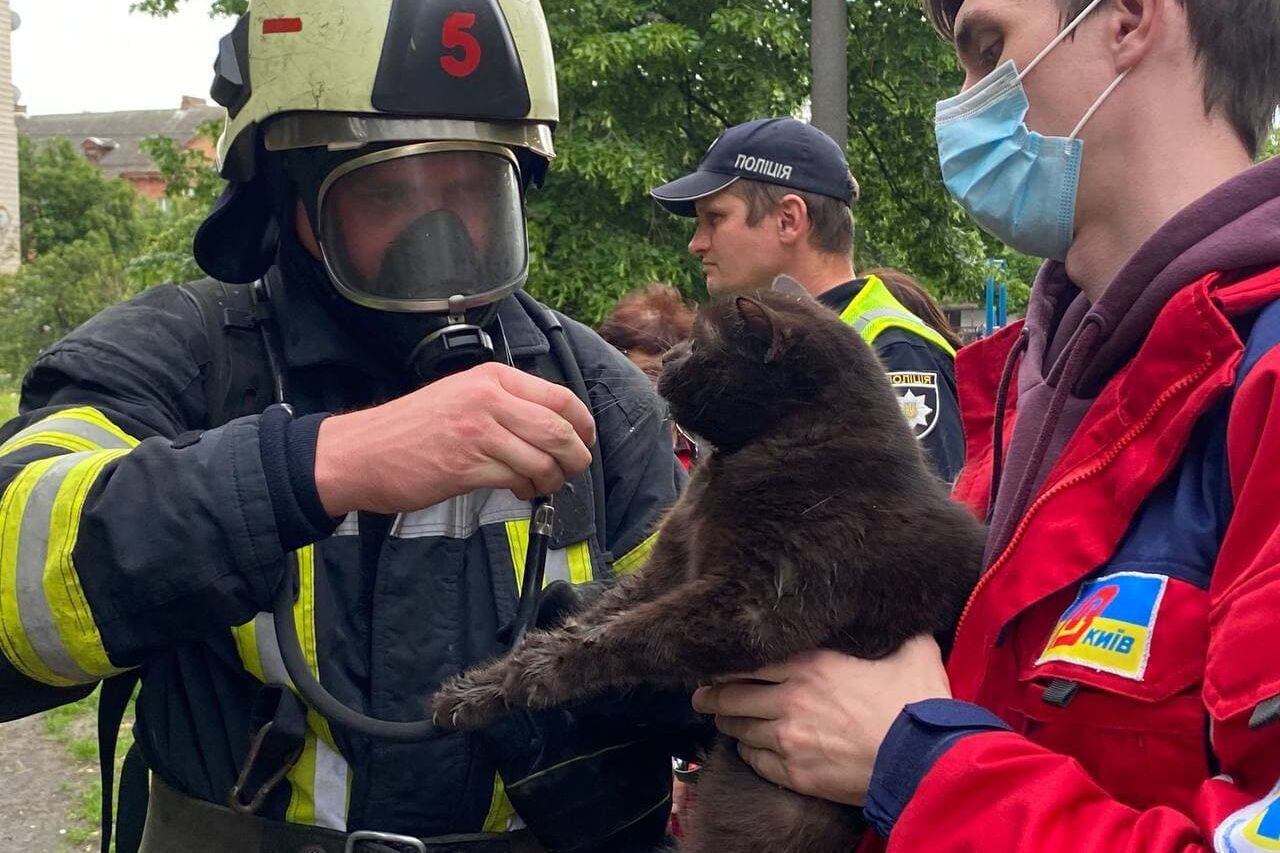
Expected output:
(541, 677)
(594, 634)
(467, 702)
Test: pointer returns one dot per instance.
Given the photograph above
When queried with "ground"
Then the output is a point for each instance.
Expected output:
(50, 799)
(43, 789)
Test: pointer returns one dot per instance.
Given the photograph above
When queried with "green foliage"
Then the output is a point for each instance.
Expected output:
(56, 292)
(90, 241)
(162, 8)
(645, 88)
(65, 198)
(192, 185)
(79, 232)
(1272, 146)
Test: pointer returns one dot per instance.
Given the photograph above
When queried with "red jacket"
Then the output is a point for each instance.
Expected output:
(1130, 631)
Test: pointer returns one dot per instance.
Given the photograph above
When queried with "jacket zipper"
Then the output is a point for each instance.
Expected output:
(1081, 475)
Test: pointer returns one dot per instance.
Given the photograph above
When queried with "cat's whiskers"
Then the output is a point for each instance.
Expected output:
(818, 504)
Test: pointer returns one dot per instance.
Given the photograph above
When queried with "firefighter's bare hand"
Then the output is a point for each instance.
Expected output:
(489, 427)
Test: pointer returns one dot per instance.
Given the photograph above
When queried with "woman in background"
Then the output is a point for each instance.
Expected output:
(645, 324)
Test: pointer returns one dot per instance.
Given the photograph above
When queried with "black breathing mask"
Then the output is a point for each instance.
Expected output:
(421, 242)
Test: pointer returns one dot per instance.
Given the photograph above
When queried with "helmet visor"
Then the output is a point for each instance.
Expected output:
(412, 228)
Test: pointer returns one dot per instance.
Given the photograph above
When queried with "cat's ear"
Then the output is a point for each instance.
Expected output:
(788, 286)
(761, 326)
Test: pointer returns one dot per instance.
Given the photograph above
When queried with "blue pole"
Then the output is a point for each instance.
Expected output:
(1004, 305)
(991, 304)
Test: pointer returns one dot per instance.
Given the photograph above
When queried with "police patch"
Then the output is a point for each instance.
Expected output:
(1108, 627)
(1253, 829)
(918, 396)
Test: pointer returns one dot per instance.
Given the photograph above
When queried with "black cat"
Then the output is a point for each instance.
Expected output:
(813, 523)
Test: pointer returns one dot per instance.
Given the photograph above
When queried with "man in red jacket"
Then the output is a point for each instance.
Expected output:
(1115, 675)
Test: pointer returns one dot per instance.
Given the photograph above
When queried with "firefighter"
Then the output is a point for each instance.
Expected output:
(366, 258)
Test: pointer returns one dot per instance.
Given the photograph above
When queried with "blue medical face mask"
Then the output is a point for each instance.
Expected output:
(1018, 185)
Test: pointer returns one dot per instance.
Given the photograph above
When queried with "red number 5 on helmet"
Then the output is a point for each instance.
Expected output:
(455, 35)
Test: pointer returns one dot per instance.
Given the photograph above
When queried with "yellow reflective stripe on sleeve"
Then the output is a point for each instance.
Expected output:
(14, 508)
(500, 809)
(47, 629)
(61, 441)
(636, 557)
(74, 430)
(71, 613)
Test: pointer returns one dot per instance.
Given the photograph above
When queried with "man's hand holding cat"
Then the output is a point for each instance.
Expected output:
(815, 723)
(489, 427)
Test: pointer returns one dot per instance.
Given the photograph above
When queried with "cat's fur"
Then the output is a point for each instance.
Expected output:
(814, 523)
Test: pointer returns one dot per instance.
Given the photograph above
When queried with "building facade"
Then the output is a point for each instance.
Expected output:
(113, 140)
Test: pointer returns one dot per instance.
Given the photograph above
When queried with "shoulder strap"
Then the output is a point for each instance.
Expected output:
(113, 701)
(239, 380)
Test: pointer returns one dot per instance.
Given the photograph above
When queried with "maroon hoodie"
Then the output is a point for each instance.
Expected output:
(1073, 348)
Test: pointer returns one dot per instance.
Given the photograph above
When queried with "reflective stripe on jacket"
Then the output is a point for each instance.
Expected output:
(133, 532)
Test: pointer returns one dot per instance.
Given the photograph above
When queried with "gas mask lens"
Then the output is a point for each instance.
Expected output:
(409, 228)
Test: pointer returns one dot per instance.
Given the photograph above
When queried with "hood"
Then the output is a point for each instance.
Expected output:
(1234, 227)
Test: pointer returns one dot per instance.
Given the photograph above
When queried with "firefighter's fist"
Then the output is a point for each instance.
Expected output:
(489, 427)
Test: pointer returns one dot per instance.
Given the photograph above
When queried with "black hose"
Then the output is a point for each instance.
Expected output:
(535, 567)
(314, 693)
(540, 528)
(560, 348)
(329, 707)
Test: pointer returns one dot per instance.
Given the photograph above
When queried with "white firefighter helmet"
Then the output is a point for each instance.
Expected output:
(435, 115)
(305, 73)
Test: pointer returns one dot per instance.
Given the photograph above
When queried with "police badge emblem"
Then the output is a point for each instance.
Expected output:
(918, 396)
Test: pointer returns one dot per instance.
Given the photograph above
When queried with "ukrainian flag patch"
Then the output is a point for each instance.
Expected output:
(1109, 625)
(1253, 829)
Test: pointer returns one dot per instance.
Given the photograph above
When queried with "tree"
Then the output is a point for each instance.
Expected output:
(645, 87)
(79, 228)
(162, 8)
(1272, 146)
(50, 296)
(90, 241)
(65, 198)
(191, 186)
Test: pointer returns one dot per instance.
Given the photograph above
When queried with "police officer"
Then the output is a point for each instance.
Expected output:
(366, 258)
(773, 197)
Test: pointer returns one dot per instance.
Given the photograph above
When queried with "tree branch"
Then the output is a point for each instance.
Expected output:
(888, 176)
(706, 107)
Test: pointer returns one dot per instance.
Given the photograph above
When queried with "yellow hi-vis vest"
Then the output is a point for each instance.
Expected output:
(874, 309)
